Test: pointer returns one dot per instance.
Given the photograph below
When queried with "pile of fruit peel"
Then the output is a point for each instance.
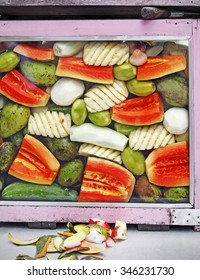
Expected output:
(89, 239)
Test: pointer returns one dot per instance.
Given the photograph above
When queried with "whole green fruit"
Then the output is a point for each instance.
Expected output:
(13, 117)
(124, 72)
(124, 128)
(39, 73)
(134, 161)
(71, 173)
(100, 118)
(8, 61)
(141, 88)
(177, 194)
(7, 153)
(174, 90)
(79, 112)
(146, 191)
(62, 148)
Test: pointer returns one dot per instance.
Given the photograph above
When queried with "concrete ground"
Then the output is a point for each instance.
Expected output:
(179, 243)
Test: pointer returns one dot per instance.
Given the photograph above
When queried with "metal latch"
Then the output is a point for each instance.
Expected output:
(185, 217)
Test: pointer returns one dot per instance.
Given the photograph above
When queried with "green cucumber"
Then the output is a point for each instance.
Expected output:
(62, 109)
(31, 191)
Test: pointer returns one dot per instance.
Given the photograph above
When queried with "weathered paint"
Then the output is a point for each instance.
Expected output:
(83, 214)
(107, 28)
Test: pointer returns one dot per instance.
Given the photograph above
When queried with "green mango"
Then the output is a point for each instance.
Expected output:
(174, 90)
(79, 112)
(7, 153)
(124, 128)
(13, 117)
(71, 173)
(176, 194)
(102, 118)
(8, 61)
(39, 73)
(124, 72)
(146, 191)
(141, 88)
(62, 148)
(134, 161)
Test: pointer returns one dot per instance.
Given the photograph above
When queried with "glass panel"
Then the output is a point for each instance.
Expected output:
(95, 121)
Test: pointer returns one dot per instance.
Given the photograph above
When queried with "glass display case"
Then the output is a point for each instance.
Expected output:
(99, 118)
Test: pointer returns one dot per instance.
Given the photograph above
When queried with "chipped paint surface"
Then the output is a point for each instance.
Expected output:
(159, 216)
(96, 28)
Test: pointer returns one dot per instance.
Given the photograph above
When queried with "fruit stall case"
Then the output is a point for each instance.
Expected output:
(100, 118)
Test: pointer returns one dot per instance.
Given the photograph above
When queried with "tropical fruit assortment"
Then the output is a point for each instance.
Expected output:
(96, 121)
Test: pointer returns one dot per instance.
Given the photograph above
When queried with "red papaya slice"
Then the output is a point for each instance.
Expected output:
(169, 166)
(35, 52)
(106, 181)
(159, 66)
(74, 67)
(138, 111)
(34, 163)
(18, 89)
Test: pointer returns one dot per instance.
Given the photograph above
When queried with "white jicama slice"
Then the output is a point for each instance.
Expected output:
(141, 138)
(101, 136)
(66, 90)
(102, 97)
(105, 53)
(67, 48)
(89, 149)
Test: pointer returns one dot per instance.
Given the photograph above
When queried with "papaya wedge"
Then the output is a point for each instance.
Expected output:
(169, 166)
(159, 66)
(35, 52)
(74, 67)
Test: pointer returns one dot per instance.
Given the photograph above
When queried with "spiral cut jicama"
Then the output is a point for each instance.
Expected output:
(52, 124)
(150, 137)
(105, 53)
(93, 150)
(103, 97)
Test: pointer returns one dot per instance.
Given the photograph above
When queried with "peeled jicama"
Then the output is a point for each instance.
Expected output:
(66, 90)
(101, 136)
(67, 48)
(176, 120)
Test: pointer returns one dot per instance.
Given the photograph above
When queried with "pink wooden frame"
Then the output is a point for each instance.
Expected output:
(106, 28)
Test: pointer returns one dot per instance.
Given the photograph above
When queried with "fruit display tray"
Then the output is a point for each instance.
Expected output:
(118, 30)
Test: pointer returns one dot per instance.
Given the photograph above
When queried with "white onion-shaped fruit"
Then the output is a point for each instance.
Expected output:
(176, 120)
(138, 58)
(66, 90)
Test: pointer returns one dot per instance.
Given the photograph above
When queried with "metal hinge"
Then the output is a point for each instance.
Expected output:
(185, 217)
(159, 13)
